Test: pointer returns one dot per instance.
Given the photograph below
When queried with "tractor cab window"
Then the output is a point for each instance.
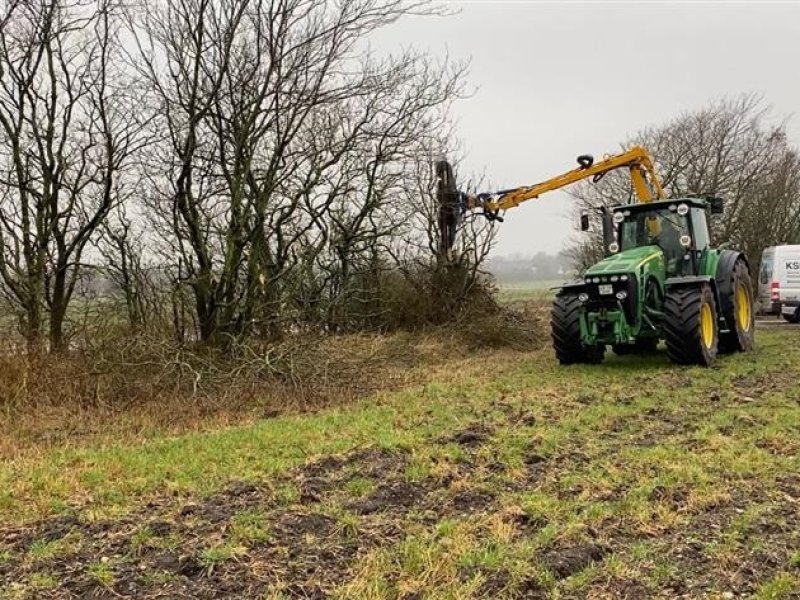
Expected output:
(661, 227)
(699, 224)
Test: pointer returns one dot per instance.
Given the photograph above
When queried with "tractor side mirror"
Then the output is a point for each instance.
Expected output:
(584, 221)
(717, 205)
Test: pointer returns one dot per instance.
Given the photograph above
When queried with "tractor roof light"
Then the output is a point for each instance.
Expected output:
(619, 217)
(613, 247)
(683, 209)
(623, 278)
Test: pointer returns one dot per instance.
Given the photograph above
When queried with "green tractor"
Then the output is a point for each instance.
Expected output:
(660, 280)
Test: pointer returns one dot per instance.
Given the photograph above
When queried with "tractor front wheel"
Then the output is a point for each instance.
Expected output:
(566, 333)
(691, 326)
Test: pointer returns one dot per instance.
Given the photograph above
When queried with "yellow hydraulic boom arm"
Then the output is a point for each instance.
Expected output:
(637, 159)
(453, 204)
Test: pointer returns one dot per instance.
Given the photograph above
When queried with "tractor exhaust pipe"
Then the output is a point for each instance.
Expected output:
(607, 222)
(608, 229)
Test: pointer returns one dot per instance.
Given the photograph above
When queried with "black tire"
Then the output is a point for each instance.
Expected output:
(683, 309)
(793, 318)
(566, 333)
(645, 346)
(736, 299)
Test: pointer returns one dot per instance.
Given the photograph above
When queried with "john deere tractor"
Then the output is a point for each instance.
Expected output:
(660, 279)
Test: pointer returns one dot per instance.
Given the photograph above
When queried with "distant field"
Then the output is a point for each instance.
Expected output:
(529, 290)
(503, 476)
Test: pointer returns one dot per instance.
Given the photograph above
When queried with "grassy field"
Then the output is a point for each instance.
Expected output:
(501, 476)
(528, 291)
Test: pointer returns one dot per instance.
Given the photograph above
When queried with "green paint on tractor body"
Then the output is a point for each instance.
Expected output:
(627, 261)
(620, 321)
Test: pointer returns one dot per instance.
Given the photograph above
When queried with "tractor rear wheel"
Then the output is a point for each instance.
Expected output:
(691, 327)
(738, 311)
(566, 333)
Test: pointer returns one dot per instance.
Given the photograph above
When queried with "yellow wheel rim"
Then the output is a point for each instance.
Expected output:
(707, 325)
(743, 308)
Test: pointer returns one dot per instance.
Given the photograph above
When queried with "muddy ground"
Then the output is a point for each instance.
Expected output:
(303, 534)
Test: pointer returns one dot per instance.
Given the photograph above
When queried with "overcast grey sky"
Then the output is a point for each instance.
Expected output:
(555, 79)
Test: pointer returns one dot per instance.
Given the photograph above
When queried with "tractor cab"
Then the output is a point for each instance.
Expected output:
(679, 228)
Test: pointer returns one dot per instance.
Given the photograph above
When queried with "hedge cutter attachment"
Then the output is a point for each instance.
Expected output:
(454, 204)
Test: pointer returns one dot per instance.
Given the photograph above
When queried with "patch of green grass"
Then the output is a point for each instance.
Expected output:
(158, 578)
(349, 524)
(783, 585)
(172, 541)
(214, 555)
(102, 572)
(453, 453)
(418, 469)
(42, 550)
(583, 578)
(445, 528)
(141, 539)
(250, 527)
(274, 595)
(529, 291)
(488, 557)
(359, 486)
(416, 556)
(662, 572)
(287, 493)
(42, 581)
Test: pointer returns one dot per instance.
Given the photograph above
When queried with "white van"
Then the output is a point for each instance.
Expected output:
(779, 282)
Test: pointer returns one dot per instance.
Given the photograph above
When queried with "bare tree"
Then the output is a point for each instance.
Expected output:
(729, 149)
(265, 105)
(66, 130)
(123, 248)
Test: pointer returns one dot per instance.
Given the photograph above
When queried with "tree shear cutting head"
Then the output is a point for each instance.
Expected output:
(450, 209)
(453, 204)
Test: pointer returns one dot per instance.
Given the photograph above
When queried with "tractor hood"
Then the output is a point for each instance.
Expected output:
(627, 261)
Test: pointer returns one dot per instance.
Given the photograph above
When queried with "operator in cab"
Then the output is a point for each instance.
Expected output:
(666, 233)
